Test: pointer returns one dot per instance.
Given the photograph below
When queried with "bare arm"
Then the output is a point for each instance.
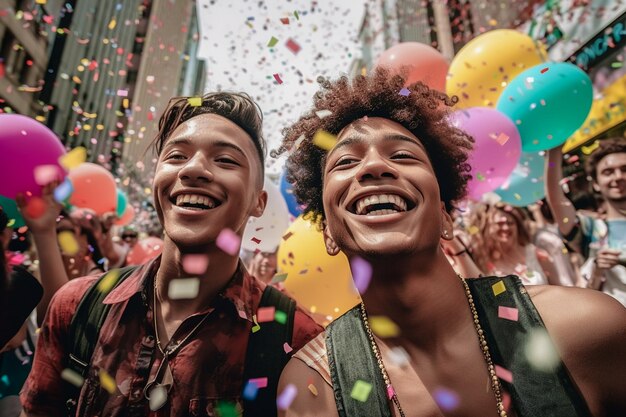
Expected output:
(459, 257)
(306, 403)
(562, 208)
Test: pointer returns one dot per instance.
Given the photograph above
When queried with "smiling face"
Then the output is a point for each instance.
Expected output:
(381, 195)
(611, 177)
(503, 229)
(208, 178)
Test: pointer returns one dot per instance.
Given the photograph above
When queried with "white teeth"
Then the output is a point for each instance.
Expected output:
(194, 199)
(365, 202)
(385, 198)
(186, 198)
(381, 212)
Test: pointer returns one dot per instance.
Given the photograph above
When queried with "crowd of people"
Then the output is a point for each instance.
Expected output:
(468, 286)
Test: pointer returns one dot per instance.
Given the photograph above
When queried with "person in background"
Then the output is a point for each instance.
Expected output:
(602, 241)
(263, 266)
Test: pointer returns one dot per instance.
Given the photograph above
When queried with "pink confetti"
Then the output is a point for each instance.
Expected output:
(286, 397)
(265, 314)
(502, 138)
(293, 46)
(278, 79)
(390, 391)
(287, 348)
(508, 313)
(361, 273)
(259, 382)
(45, 174)
(229, 242)
(122, 93)
(195, 264)
(504, 374)
(256, 240)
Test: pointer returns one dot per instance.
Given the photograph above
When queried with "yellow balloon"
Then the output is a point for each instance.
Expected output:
(485, 66)
(317, 281)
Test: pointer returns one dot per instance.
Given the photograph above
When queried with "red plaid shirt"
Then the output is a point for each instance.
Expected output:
(207, 369)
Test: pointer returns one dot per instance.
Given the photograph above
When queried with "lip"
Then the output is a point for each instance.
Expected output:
(351, 206)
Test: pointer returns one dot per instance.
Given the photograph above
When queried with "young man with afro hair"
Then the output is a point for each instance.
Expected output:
(426, 342)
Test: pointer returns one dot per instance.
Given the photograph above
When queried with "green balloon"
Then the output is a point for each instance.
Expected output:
(122, 202)
(13, 213)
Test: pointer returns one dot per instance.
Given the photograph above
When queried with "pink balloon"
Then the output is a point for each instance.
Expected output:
(497, 149)
(424, 63)
(94, 188)
(26, 144)
(144, 250)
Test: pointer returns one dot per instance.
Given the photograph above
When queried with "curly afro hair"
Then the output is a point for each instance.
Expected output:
(423, 112)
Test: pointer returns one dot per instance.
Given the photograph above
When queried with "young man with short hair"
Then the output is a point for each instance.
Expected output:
(170, 344)
(426, 342)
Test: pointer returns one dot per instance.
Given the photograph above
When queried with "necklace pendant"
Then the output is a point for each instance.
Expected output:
(390, 391)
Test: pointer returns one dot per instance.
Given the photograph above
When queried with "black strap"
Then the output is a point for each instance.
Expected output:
(85, 328)
(350, 359)
(266, 357)
(534, 392)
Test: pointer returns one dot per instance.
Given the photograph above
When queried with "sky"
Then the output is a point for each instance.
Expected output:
(234, 42)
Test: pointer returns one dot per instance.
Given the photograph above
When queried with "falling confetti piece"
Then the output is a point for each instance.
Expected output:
(227, 409)
(293, 46)
(73, 158)
(504, 374)
(72, 377)
(278, 79)
(259, 382)
(265, 314)
(286, 397)
(183, 288)
(296, 15)
(63, 192)
(250, 391)
(68, 242)
(473, 230)
(287, 348)
(361, 390)
(279, 278)
(280, 317)
(544, 70)
(324, 140)
(313, 389)
(112, 24)
(287, 235)
(158, 397)
(446, 399)
(508, 313)
(405, 92)
(36, 207)
(41, 1)
(195, 264)
(107, 382)
(323, 113)
(108, 281)
(122, 93)
(399, 356)
(540, 351)
(498, 288)
(228, 241)
(256, 326)
(502, 138)
(284, 20)
(45, 174)
(272, 43)
(384, 327)
(195, 101)
(361, 273)
(390, 392)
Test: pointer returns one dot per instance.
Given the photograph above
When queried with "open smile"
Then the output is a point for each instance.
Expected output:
(195, 202)
(380, 205)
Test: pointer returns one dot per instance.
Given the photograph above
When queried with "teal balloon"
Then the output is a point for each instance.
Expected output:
(122, 201)
(547, 103)
(13, 213)
(525, 185)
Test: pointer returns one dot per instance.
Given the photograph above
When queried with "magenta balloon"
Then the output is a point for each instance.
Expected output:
(497, 149)
(24, 145)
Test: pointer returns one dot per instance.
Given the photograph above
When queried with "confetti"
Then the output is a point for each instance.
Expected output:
(446, 399)
(384, 327)
(158, 397)
(504, 374)
(540, 351)
(122, 93)
(473, 230)
(544, 70)
(63, 192)
(313, 389)
(498, 288)
(284, 20)
(183, 288)
(272, 43)
(278, 278)
(68, 242)
(72, 377)
(508, 313)
(502, 138)
(324, 140)
(256, 326)
(287, 348)
(229, 242)
(36, 207)
(45, 174)
(399, 356)
(293, 46)
(107, 382)
(227, 409)
(296, 15)
(195, 264)
(250, 391)
(112, 24)
(286, 397)
(323, 113)
(278, 79)
(361, 273)
(405, 92)
(265, 314)
(108, 281)
(280, 317)
(361, 390)
(287, 235)
(73, 158)
(195, 101)
(259, 382)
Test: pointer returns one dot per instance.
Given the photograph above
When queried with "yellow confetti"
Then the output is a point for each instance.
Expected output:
(41, 1)
(473, 230)
(68, 242)
(108, 282)
(517, 196)
(112, 24)
(73, 158)
(324, 140)
(565, 220)
(256, 326)
(313, 389)
(72, 377)
(589, 149)
(107, 382)
(361, 390)
(498, 287)
(195, 101)
(384, 327)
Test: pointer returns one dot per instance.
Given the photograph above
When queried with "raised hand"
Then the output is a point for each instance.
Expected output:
(40, 213)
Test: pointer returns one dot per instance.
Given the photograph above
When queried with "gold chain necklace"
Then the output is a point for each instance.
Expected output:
(495, 382)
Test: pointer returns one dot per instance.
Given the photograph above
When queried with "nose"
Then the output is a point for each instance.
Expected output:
(196, 169)
(375, 166)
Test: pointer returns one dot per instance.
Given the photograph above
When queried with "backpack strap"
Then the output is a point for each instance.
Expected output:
(350, 359)
(541, 390)
(266, 356)
(85, 328)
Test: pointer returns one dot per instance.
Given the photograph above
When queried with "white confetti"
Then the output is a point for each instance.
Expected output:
(184, 288)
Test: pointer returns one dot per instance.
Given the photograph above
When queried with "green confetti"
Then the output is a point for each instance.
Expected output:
(272, 42)
(280, 317)
(296, 15)
(361, 390)
(226, 409)
(278, 278)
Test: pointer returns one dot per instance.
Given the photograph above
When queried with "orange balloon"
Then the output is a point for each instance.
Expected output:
(127, 217)
(94, 188)
(319, 282)
(424, 63)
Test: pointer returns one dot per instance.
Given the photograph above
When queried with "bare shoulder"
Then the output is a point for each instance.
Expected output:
(314, 396)
(588, 328)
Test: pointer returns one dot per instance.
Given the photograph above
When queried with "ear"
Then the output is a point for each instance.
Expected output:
(447, 224)
(261, 202)
(331, 246)
(595, 186)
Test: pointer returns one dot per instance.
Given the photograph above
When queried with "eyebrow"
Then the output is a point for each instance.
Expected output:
(356, 139)
(218, 143)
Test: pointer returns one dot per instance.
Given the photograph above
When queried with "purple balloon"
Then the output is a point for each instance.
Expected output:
(24, 145)
(496, 151)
